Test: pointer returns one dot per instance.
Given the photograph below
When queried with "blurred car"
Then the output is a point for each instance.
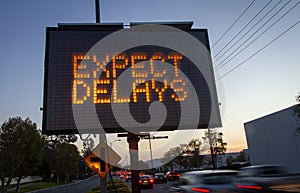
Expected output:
(160, 178)
(271, 176)
(217, 181)
(121, 176)
(206, 181)
(128, 177)
(146, 181)
(262, 173)
(173, 175)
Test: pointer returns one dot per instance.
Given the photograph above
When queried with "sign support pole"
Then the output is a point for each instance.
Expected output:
(97, 5)
(103, 182)
(133, 141)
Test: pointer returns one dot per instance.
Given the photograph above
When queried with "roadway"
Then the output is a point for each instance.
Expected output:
(82, 186)
(157, 188)
(87, 185)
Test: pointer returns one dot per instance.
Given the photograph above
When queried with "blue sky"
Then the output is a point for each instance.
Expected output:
(266, 83)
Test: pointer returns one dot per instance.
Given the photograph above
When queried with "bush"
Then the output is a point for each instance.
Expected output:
(120, 186)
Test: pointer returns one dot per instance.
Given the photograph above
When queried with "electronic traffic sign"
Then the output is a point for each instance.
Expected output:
(85, 65)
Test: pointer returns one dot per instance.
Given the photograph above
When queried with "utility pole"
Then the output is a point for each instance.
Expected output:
(211, 149)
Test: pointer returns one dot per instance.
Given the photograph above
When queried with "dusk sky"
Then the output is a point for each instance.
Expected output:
(266, 83)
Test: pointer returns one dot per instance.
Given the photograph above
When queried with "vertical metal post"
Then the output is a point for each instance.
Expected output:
(97, 9)
(103, 182)
(150, 152)
(211, 150)
(133, 141)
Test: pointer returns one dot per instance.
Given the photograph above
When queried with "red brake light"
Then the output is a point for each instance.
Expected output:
(140, 181)
(203, 190)
(177, 175)
(151, 181)
(249, 187)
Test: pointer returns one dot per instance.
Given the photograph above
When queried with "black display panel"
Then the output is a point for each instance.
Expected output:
(74, 76)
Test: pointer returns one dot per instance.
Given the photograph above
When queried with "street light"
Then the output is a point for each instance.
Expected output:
(110, 144)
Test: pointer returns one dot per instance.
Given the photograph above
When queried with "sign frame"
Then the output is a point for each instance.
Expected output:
(106, 27)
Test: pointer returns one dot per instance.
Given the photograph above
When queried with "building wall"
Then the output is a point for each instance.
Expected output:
(273, 139)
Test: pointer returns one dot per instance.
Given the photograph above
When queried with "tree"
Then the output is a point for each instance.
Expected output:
(185, 155)
(297, 111)
(21, 146)
(34, 155)
(297, 107)
(175, 156)
(55, 140)
(242, 157)
(64, 161)
(49, 162)
(85, 151)
(218, 146)
(230, 160)
(192, 150)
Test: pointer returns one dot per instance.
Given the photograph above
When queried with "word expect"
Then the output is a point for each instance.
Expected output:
(99, 80)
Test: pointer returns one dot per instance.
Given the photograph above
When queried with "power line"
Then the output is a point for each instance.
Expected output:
(258, 51)
(235, 36)
(251, 30)
(233, 24)
(222, 64)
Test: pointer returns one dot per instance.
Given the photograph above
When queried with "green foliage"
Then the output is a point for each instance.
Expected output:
(176, 155)
(218, 146)
(242, 157)
(64, 161)
(297, 111)
(185, 155)
(53, 141)
(21, 147)
(230, 160)
(35, 186)
(192, 150)
(297, 107)
(120, 187)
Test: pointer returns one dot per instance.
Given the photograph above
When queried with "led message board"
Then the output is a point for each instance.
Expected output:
(75, 76)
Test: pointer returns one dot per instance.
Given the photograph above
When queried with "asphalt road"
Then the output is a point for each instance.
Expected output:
(87, 185)
(82, 186)
(157, 188)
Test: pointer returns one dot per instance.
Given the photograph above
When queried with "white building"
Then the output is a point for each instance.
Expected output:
(273, 139)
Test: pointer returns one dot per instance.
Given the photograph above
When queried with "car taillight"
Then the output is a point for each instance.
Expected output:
(151, 181)
(253, 187)
(140, 181)
(203, 190)
(177, 175)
